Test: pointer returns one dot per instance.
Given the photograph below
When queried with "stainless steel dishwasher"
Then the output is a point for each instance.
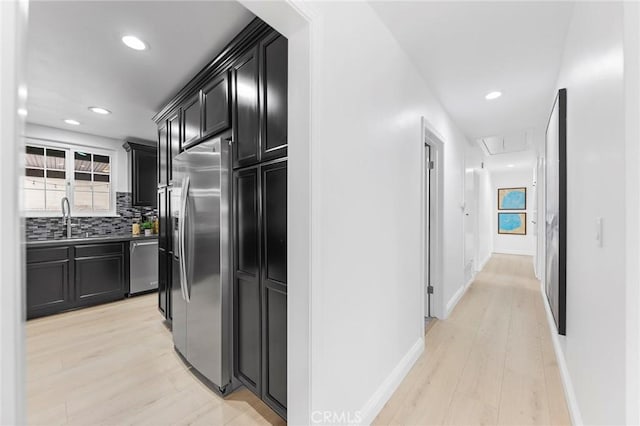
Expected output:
(143, 266)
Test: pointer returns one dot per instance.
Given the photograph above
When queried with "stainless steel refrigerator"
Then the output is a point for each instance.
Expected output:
(200, 201)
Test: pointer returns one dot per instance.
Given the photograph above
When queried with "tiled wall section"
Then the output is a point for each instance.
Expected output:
(47, 228)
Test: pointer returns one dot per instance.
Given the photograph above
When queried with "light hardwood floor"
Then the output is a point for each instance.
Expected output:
(114, 364)
(490, 362)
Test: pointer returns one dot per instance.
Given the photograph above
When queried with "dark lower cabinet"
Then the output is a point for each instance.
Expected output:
(260, 281)
(247, 278)
(275, 352)
(99, 277)
(164, 253)
(163, 280)
(69, 277)
(48, 285)
(274, 283)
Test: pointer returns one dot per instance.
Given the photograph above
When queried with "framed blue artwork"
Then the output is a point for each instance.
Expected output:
(512, 198)
(512, 223)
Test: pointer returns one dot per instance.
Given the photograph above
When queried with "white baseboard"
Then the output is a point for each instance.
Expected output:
(380, 397)
(451, 304)
(484, 263)
(569, 393)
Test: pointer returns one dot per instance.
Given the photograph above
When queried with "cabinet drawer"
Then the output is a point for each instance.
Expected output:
(47, 254)
(90, 250)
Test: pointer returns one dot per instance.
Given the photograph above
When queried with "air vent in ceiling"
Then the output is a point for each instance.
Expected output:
(514, 142)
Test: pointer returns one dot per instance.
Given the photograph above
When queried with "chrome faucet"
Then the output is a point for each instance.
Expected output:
(66, 215)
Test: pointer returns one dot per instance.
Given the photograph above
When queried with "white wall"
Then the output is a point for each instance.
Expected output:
(120, 169)
(594, 347)
(475, 162)
(486, 215)
(366, 308)
(513, 244)
(632, 155)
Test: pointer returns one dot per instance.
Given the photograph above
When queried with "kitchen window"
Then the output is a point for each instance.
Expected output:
(84, 176)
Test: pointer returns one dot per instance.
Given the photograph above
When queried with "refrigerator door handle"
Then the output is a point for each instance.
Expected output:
(180, 244)
(183, 261)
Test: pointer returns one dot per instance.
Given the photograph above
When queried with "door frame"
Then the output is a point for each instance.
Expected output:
(431, 137)
(13, 22)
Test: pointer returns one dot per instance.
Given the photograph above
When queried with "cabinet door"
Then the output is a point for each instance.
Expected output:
(246, 115)
(173, 130)
(162, 281)
(99, 273)
(247, 317)
(273, 94)
(215, 106)
(191, 120)
(274, 224)
(163, 217)
(274, 283)
(143, 176)
(163, 245)
(162, 154)
(47, 280)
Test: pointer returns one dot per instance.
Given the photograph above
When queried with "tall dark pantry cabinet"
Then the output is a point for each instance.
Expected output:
(243, 89)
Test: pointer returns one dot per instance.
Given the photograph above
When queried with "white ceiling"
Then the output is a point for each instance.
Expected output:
(467, 49)
(75, 59)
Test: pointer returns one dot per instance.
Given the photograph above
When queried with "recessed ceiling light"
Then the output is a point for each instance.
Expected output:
(511, 165)
(22, 112)
(99, 110)
(134, 42)
(72, 122)
(493, 95)
(22, 91)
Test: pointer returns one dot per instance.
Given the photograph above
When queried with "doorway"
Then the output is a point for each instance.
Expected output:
(432, 170)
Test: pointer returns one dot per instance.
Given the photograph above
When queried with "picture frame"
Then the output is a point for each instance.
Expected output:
(512, 223)
(556, 211)
(512, 198)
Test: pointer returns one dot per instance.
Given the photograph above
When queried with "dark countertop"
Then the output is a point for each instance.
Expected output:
(89, 240)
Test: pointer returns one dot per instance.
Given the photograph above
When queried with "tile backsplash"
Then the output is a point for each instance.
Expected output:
(49, 228)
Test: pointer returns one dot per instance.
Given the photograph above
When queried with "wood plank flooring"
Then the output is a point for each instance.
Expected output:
(114, 364)
(490, 362)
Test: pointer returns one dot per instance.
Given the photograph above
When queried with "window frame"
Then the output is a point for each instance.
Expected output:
(70, 149)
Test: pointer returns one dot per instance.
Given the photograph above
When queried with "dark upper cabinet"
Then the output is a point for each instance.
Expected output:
(144, 171)
(215, 106)
(173, 130)
(162, 154)
(191, 121)
(273, 96)
(246, 113)
(49, 289)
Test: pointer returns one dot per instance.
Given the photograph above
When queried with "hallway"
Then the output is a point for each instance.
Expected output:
(491, 362)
